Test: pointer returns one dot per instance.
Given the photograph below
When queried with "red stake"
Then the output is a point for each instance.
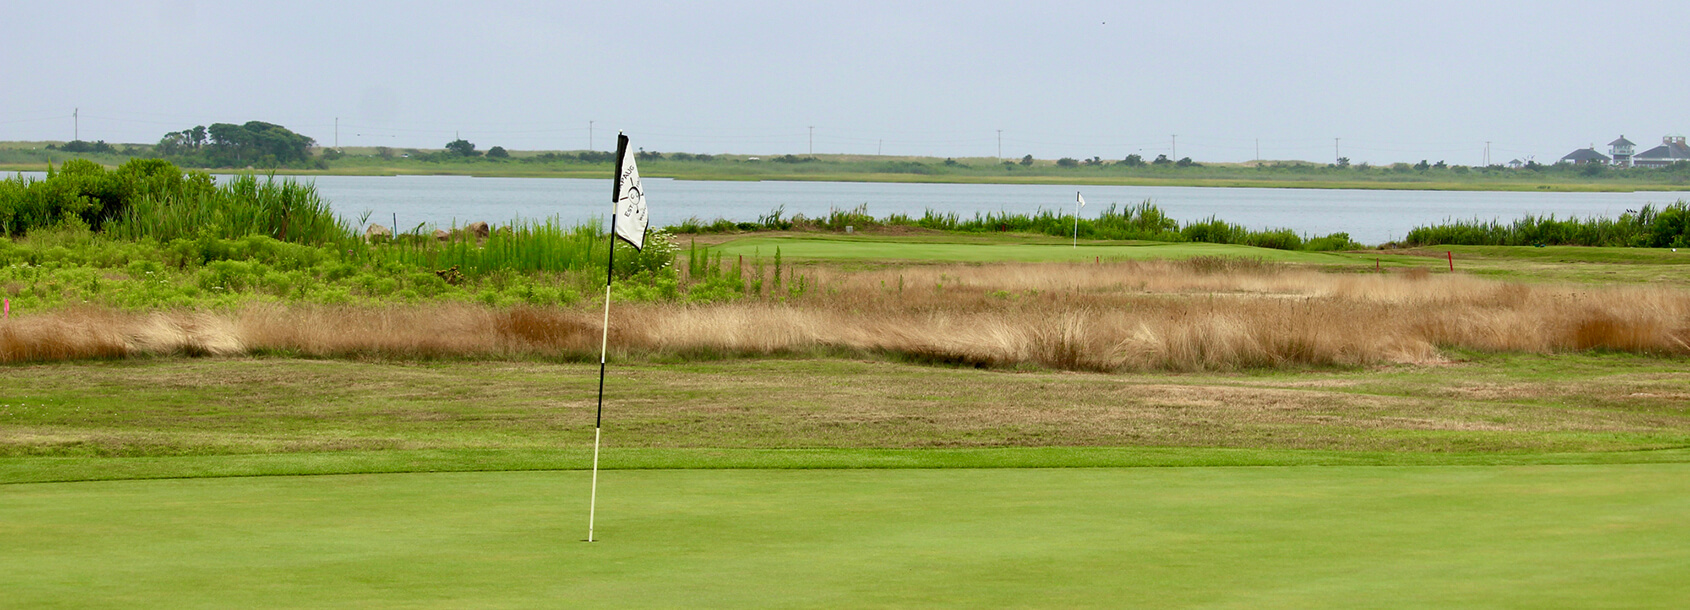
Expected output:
(1375, 263)
(1451, 261)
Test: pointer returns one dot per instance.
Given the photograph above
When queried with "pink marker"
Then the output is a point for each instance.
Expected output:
(8, 307)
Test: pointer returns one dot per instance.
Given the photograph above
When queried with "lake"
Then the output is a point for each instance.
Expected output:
(1369, 216)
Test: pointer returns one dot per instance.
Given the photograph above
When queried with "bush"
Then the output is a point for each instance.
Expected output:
(1648, 227)
(88, 192)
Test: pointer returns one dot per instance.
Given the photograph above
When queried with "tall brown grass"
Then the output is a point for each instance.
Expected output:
(1111, 317)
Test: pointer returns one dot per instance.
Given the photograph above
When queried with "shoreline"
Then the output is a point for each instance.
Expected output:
(886, 178)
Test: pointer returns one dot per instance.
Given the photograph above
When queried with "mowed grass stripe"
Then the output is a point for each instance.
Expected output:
(1565, 536)
(16, 471)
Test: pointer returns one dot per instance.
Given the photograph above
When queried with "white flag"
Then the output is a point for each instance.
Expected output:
(1080, 199)
(630, 219)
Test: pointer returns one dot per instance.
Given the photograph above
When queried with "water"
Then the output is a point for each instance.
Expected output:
(1369, 216)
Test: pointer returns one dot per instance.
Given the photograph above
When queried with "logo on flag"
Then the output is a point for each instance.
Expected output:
(630, 219)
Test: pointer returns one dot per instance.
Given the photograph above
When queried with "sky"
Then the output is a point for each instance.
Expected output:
(1376, 82)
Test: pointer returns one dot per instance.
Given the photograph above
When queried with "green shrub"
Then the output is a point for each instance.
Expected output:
(1668, 226)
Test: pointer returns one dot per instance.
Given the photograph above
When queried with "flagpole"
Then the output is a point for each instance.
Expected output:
(604, 341)
(604, 348)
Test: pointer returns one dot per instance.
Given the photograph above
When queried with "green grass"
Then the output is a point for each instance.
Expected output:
(1664, 227)
(1579, 264)
(1342, 537)
(617, 458)
(1007, 249)
(1573, 264)
(212, 417)
(1495, 480)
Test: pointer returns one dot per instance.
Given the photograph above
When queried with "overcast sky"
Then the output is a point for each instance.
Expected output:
(1394, 81)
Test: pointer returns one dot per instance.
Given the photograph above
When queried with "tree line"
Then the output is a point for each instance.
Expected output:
(255, 143)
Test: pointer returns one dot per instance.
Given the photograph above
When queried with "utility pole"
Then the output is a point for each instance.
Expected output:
(589, 135)
(812, 139)
(76, 118)
(1000, 144)
(877, 146)
(1258, 151)
(1487, 153)
(1335, 155)
(337, 133)
(1173, 147)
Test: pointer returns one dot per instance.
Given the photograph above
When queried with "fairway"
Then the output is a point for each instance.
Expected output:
(871, 249)
(1565, 536)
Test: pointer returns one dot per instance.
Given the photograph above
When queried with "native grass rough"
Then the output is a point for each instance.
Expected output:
(1126, 316)
(274, 406)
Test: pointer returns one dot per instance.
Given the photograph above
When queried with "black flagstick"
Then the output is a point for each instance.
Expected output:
(604, 345)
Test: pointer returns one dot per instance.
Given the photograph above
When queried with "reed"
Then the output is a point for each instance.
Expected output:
(1131, 316)
(1649, 226)
(1143, 221)
(521, 246)
(282, 209)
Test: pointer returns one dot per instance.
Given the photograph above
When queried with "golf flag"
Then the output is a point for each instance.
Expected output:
(1079, 202)
(630, 221)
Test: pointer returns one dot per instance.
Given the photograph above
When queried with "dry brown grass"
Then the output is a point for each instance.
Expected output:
(1111, 317)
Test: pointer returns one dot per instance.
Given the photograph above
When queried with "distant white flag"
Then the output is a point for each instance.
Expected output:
(629, 196)
(1080, 199)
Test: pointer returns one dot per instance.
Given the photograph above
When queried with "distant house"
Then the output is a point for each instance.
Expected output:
(1623, 153)
(1622, 150)
(1585, 156)
(1672, 150)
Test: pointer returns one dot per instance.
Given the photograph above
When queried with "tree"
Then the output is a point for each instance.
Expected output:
(1067, 162)
(1027, 161)
(173, 144)
(79, 146)
(1133, 160)
(1186, 162)
(1343, 162)
(498, 152)
(229, 145)
(1422, 165)
(462, 148)
(1161, 160)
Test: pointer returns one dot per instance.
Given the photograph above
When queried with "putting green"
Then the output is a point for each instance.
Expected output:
(1574, 536)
